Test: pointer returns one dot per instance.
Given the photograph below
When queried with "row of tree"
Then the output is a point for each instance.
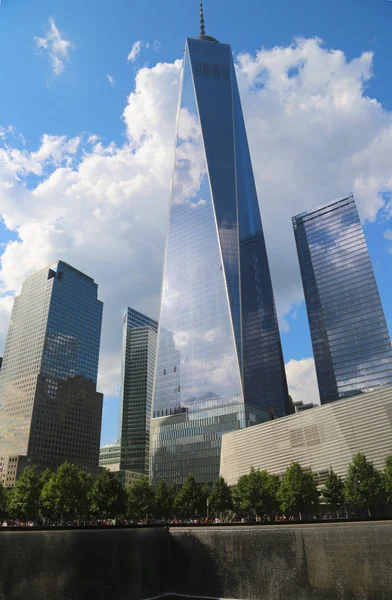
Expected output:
(71, 494)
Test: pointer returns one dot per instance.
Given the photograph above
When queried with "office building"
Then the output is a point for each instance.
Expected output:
(219, 358)
(320, 438)
(109, 458)
(50, 410)
(350, 338)
(137, 379)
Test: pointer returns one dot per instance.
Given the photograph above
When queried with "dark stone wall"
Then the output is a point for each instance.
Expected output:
(301, 562)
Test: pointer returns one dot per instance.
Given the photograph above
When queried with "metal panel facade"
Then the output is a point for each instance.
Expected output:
(318, 438)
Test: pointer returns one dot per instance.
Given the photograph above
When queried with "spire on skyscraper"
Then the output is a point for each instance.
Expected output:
(203, 36)
(202, 27)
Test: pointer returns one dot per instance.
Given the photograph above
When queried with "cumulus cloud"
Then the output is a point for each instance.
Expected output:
(111, 80)
(135, 51)
(58, 48)
(302, 381)
(314, 135)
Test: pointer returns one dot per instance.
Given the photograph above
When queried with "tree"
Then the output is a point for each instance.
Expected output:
(140, 499)
(164, 500)
(364, 484)
(298, 491)
(65, 494)
(220, 499)
(3, 500)
(23, 501)
(256, 493)
(333, 490)
(107, 497)
(189, 499)
(388, 478)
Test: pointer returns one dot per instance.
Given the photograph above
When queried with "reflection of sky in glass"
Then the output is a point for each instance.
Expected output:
(219, 340)
(197, 363)
(350, 338)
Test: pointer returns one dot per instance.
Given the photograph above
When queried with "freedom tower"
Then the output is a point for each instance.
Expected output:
(219, 363)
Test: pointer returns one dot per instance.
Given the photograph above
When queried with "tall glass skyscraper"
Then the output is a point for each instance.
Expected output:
(50, 410)
(137, 379)
(219, 358)
(350, 338)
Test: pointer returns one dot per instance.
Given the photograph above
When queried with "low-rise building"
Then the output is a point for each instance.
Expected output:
(320, 438)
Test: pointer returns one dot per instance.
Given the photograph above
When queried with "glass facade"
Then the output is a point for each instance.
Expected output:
(137, 379)
(48, 377)
(350, 338)
(218, 342)
(191, 442)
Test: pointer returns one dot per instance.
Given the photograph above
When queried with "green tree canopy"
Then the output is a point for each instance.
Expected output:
(65, 494)
(256, 493)
(333, 490)
(3, 500)
(220, 499)
(165, 495)
(388, 478)
(189, 499)
(298, 491)
(23, 501)
(140, 499)
(107, 496)
(364, 484)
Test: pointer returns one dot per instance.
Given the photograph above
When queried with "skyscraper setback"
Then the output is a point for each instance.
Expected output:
(50, 410)
(350, 338)
(219, 359)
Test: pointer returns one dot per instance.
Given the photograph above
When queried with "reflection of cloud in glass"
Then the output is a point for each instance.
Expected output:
(190, 164)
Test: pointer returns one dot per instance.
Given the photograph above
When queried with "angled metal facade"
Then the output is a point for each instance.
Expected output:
(350, 338)
(218, 342)
(319, 438)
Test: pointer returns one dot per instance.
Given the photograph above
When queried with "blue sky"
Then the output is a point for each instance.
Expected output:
(81, 101)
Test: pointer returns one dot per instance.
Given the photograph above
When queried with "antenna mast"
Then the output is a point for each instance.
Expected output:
(202, 27)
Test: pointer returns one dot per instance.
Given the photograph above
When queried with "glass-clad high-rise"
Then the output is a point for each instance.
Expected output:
(50, 410)
(219, 359)
(350, 338)
(137, 379)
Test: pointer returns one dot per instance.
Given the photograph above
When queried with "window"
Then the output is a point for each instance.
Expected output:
(216, 72)
(197, 68)
(206, 69)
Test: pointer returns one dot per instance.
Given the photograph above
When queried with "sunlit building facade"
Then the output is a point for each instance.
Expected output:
(219, 359)
(50, 410)
(137, 379)
(350, 338)
(318, 439)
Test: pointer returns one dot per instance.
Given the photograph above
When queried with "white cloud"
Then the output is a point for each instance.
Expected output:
(388, 234)
(4, 131)
(314, 136)
(137, 48)
(57, 47)
(302, 381)
(111, 80)
(135, 51)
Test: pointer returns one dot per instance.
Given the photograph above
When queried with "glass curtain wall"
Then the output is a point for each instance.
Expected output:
(350, 338)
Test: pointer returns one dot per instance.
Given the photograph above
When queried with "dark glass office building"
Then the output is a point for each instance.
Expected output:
(350, 338)
(137, 379)
(50, 410)
(219, 358)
